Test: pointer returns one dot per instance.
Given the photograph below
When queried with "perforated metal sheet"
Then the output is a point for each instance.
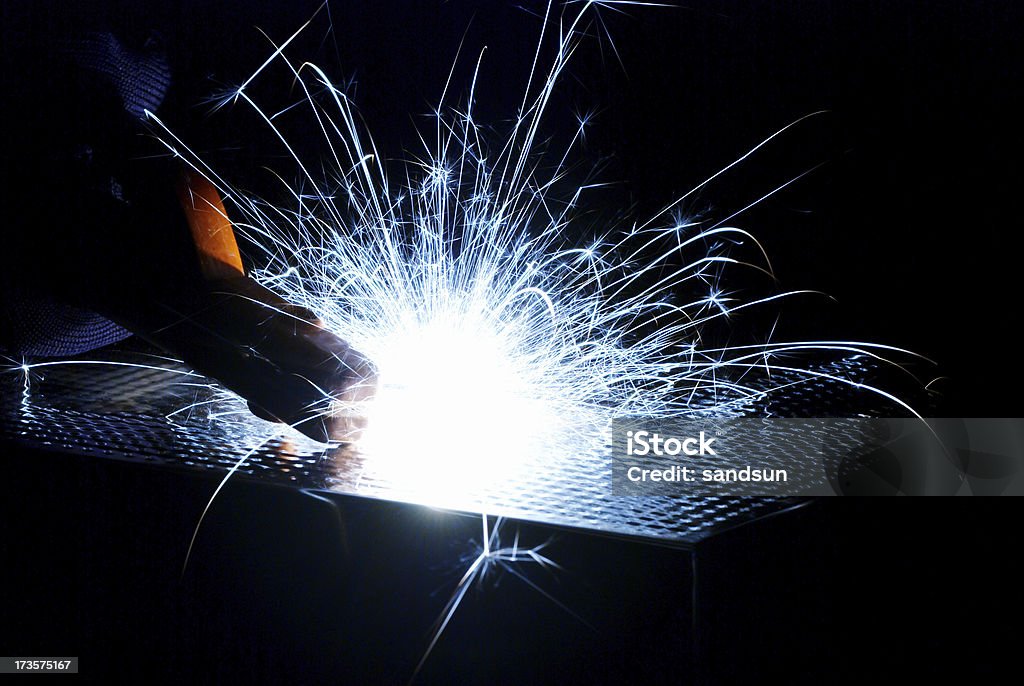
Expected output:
(163, 416)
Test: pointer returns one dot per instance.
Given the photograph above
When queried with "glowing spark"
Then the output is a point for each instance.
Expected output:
(491, 556)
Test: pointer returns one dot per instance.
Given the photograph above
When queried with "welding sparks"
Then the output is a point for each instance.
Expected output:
(502, 339)
(495, 333)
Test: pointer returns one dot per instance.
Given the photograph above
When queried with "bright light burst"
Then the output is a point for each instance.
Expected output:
(495, 332)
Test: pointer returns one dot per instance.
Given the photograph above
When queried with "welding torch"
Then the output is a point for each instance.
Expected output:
(183, 287)
(108, 231)
(275, 355)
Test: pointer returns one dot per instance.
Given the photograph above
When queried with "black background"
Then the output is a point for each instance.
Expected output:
(911, 224)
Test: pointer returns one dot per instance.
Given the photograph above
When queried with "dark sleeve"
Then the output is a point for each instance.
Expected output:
(84, 227)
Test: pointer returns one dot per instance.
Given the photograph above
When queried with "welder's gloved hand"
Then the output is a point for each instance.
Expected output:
(276, 355)
(106, 245)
